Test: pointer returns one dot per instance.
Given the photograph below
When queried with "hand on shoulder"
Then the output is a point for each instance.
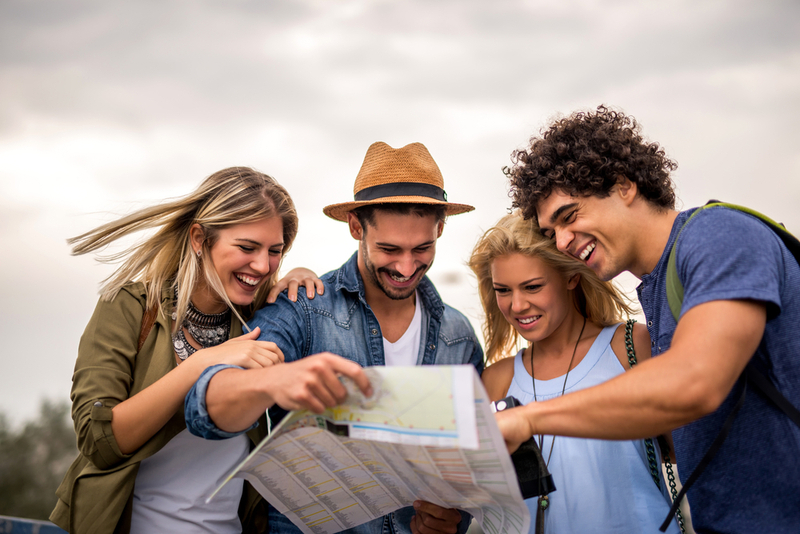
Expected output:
(299, 276)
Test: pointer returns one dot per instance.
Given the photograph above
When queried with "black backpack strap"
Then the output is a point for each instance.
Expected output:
(765, 385)
(707, 457)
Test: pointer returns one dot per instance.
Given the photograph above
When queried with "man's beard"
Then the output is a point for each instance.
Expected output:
(388, 290)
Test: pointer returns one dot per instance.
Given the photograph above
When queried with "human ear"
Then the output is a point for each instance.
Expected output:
(356, 230)
(441, 229)
(573, 282)
(197, 237)
(626, 189)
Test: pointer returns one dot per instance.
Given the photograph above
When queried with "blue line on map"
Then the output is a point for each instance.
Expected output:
(438, 434)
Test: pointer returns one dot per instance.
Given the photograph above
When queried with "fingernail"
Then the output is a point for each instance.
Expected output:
(416, 505)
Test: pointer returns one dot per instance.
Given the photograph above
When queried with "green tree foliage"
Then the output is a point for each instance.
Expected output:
(33, 461)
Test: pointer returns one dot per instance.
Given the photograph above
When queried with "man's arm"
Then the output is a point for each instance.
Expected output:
(281, 323)
(711, 347)
(235, 398)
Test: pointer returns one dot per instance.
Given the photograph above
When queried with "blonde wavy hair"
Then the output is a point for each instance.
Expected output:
(227, 198)
(600, 302)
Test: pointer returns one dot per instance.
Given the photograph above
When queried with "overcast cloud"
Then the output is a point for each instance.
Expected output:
(109, 106)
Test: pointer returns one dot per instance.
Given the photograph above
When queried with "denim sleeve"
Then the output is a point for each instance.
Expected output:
(285, 323)
(477, 357)
(194, 406)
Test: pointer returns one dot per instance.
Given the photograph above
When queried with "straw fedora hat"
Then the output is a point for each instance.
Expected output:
(393, 176)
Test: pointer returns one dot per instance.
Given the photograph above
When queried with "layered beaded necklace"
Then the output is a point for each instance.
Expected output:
(543, 501)
(208, 330)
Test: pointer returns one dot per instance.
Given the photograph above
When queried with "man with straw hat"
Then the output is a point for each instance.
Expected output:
(379, 308)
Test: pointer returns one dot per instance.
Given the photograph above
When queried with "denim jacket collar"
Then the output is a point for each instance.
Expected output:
(348, 278)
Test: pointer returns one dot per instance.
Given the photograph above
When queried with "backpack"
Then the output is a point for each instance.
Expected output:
(752, 376)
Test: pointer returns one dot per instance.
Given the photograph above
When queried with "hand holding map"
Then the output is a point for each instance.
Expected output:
(427, 433)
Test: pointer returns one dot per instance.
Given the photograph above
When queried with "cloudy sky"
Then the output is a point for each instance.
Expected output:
(106, 107)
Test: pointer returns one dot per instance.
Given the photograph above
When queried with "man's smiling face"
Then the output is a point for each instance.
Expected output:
(587, 228)
(396, 251)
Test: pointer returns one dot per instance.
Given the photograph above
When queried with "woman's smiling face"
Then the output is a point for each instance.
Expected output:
(532, 296)
(244, 256)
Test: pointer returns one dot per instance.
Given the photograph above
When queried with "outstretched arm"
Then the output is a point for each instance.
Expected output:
(235, 398)
(711, 347)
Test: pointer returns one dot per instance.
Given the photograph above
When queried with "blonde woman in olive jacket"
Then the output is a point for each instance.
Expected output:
(97, 492)
(211, 261)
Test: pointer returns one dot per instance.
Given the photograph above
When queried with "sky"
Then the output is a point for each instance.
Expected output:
(106, 107)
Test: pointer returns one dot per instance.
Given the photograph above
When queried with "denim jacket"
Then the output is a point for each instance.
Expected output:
(340, 321)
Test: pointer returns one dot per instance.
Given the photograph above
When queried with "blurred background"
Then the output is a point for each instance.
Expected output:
(106, 107)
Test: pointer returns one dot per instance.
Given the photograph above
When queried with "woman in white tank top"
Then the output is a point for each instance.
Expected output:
(571, 322)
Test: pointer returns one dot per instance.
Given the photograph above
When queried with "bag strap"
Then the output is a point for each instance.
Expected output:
(674, 284)
(648, 442)
(148, 319)
(707, 457)
(652, 460)
(765, 385)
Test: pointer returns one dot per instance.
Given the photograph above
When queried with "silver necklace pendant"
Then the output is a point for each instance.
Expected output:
(182, 347)
(208, 330)
(208, 337)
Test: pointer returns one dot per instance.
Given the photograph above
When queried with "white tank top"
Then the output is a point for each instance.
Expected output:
(172, 486)
(602, 486)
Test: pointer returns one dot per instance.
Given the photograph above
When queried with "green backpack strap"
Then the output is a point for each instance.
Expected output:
(674, 285)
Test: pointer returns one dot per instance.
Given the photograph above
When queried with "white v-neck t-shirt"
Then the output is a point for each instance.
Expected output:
(405, 351)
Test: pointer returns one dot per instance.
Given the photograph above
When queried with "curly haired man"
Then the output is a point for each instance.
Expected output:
(605, 195)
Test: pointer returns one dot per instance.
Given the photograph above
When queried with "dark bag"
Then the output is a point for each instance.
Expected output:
(532, 474)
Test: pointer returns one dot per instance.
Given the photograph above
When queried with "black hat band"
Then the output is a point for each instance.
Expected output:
(401, 189)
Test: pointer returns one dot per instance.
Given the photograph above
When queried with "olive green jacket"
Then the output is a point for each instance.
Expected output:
(97, 491)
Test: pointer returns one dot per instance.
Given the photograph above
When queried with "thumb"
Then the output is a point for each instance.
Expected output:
(253, 334)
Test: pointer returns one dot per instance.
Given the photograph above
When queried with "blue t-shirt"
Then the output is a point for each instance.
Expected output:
(753, 482)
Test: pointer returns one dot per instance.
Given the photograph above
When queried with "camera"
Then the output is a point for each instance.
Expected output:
(532, 475)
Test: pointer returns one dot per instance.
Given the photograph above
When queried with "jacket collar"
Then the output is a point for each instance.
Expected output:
(348, 278)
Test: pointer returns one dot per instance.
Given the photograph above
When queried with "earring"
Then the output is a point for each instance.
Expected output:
(198, 255)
